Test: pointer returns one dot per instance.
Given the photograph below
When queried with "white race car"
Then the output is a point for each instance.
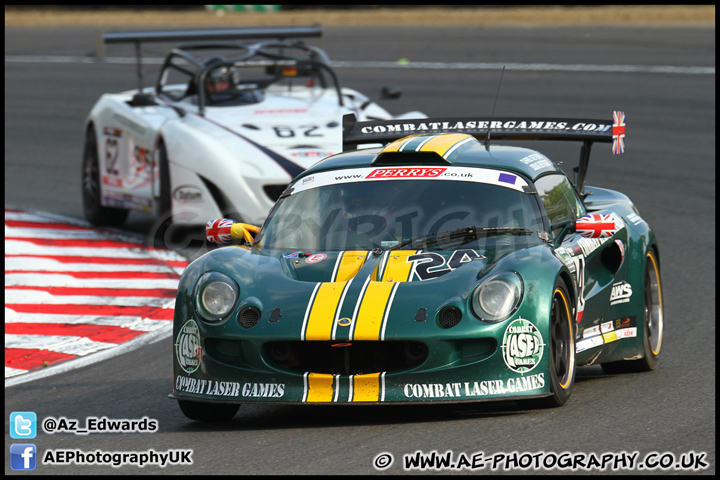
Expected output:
(225, 129)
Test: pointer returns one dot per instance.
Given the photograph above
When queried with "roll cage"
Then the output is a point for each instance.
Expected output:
(274, 57)
(308, 60)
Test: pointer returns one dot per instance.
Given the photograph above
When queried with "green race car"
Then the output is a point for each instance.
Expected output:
(430, 265)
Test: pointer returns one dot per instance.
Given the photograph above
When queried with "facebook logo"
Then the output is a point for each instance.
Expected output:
(23, 456)
(23, 425)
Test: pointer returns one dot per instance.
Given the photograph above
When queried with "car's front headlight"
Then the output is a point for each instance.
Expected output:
(216, 296)
(497, 297)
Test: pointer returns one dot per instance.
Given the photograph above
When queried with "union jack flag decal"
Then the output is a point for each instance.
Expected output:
(218, 231)
(618, 133)
(596, 225)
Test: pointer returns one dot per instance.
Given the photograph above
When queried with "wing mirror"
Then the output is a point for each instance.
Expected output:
(225, 230)
(563, 229)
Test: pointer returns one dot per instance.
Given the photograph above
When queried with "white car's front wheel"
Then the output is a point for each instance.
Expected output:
(164, 202)
(95, 212)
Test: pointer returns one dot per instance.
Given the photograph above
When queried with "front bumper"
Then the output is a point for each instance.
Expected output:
(360, 342)
(449, 370)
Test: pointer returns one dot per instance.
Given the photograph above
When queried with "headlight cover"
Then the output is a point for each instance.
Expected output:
(497, 297)
(216, 296)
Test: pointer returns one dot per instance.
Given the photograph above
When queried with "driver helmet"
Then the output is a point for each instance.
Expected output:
(219, 79)
(356, 201)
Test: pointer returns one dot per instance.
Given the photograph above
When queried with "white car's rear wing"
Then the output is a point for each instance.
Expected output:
(138, 38)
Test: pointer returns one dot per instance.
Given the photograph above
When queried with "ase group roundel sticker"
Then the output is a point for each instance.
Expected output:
(187, 347)
(522, 346)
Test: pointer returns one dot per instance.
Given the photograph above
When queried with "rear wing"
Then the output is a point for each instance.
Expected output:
(138, 38)
(587, 131)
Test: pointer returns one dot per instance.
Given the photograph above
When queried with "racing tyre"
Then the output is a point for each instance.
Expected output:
(562, 349)
(208, 412)
(160, 229)
(652, 322)
(95, 213)
(165, 201)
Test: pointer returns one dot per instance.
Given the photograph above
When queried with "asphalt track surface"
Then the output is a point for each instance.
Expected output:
(668, 170)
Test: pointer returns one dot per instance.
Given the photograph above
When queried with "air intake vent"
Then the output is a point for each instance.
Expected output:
(249, 317)
(410, 158)
(345, 358)
(449, 316)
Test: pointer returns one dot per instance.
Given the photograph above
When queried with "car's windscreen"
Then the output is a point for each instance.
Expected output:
(403, 214)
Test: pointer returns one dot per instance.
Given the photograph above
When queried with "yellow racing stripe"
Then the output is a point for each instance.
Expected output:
(320, 323)
(397, 267)
(397, 144)
(366, 387)
(350, 264)
(442, 143)
(320, 387)
(370, 317)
